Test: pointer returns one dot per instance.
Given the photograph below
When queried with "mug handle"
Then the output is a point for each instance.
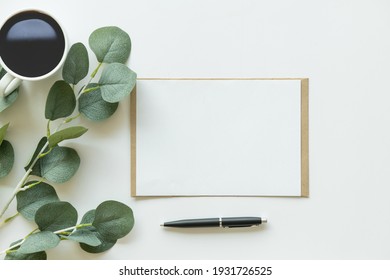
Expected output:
(8, 84)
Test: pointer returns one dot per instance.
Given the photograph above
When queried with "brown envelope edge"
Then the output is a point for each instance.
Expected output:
(304, 132)
(305, 137)
(133, 140)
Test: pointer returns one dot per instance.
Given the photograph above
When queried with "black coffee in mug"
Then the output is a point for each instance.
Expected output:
(32, 44)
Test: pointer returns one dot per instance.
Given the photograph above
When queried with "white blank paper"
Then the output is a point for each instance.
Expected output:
(218, 138)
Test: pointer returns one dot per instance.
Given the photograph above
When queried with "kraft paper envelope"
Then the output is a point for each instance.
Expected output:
(220, 137)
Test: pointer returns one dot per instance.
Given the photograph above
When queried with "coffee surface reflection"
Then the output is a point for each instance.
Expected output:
(31, 44)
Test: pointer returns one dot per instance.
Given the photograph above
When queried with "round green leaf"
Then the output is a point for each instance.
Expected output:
(6, 102)
(7, 158)
(88, 217)
(113, 220)
(30, 200)
(116, 82)
(110, 44)
(7, 155)
(56, 216)
(60, 102)
(94, 107)
(36, 169)
(60, 164)
(104, 246)
(85, 236)
(16, 255)
(76, 65)
(38, 242)
(65, 134)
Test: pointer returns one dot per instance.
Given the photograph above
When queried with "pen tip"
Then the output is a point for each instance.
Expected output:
(161, 225)
(264, 220)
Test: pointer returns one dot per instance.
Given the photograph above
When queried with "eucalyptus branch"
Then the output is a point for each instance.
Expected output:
(37, 200)
(25, 177)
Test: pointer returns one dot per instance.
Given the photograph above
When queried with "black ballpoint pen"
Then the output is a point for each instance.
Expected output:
(230, 222)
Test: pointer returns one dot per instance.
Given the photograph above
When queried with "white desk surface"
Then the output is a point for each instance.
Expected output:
(343, 47)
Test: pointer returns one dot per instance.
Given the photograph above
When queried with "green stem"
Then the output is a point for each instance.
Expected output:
(32, 232)
(48, 129)
(16, 190)
(25, 188)
(72, 228)
(59, 232)
(68, 120)
(27, 174)
(44, 154)
(96, 70)
(6, 251)
(83, 90)
(90, 89)
(9, 219)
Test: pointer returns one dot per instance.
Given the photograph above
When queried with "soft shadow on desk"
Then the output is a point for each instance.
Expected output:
(216, 230)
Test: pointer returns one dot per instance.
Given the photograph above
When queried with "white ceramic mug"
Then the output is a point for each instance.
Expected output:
(33, 46)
